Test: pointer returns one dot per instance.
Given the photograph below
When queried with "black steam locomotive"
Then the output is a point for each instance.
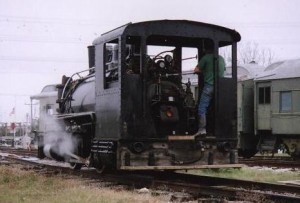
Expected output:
(133, 109)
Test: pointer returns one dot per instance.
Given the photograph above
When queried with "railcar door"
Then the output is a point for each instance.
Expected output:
(263, 106)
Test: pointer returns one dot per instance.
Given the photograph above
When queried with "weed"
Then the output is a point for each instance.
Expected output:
(25, 186)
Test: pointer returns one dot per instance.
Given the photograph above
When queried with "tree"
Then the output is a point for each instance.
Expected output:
(252, 52)
(249, 52)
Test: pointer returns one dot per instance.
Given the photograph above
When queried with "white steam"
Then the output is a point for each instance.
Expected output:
(56, 136)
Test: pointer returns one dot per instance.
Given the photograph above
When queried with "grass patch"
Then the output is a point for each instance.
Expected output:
(17, 185)
(254, 174)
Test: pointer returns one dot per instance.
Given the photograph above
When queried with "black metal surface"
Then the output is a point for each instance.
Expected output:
(150, 104)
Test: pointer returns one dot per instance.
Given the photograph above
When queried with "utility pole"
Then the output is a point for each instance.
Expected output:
(31, 114)
(13, 127)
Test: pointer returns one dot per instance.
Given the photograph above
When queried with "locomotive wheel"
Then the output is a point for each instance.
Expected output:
(76, 166)
(100, 169)
(247, 153)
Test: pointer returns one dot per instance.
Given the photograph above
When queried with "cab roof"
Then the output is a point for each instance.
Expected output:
(175, 28)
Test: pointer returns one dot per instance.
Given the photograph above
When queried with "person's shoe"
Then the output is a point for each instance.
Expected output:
(201, 131)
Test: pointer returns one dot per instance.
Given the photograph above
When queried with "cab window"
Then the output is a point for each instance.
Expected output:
(111, 63)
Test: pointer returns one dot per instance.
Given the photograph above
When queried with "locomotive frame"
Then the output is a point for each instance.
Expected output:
(137, 114)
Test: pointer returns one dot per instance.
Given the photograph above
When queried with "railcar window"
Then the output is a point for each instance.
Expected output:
(261, 96)
(111, 62)
(286, 101)
(49, 109)
(267, 95)
(264, 95)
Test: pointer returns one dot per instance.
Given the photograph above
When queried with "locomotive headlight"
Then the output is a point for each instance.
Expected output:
(168, 58)
(169, 113)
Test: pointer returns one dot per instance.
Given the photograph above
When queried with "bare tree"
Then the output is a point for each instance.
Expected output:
(267, 57)
(226, 53)
(251, 51)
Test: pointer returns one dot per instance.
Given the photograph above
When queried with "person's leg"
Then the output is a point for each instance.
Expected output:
(205, 99)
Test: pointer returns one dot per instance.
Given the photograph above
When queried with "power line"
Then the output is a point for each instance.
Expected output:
(43, 39)
(41, 59)
(63, 21)
(95, 22)
(14, 95)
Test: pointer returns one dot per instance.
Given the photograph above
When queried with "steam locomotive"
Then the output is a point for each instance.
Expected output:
(133, 109)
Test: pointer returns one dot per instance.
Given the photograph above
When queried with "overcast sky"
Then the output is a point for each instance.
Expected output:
(41, 40)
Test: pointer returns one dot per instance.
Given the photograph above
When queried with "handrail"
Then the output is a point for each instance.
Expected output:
(70, 79)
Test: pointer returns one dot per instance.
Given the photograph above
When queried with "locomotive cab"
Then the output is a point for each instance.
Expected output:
(144, 114)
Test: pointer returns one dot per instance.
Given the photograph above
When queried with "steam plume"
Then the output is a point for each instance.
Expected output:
(55, 135)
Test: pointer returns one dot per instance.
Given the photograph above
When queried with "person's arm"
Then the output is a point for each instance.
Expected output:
(201, 65)
(197, 69)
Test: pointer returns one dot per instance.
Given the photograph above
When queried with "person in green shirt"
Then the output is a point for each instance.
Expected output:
(206, 66)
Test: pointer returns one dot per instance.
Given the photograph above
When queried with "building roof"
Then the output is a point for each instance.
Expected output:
(281, 70)
(47, 91)
(246, 71)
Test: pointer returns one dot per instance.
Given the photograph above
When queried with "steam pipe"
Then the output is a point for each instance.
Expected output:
(50, 151)
(175, 74)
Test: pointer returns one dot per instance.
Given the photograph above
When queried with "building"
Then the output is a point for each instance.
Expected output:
(47, 102)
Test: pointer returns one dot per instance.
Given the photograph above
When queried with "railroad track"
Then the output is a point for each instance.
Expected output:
(195, 187)
(19, 151)
(279, 162)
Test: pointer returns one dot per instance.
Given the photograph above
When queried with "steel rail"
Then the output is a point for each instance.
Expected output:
(197, 186)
